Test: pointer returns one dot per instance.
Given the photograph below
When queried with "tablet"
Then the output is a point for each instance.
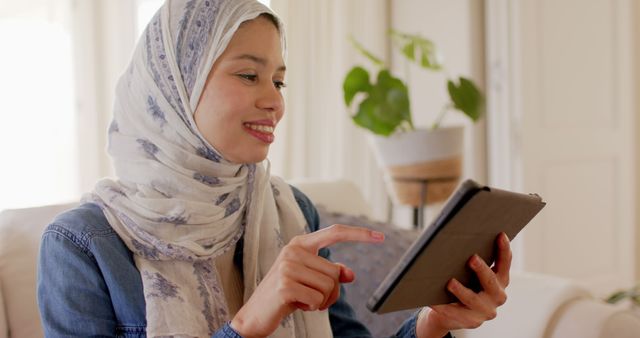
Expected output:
(469, 223)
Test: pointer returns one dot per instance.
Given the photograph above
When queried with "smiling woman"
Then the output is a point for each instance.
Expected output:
(201, 225)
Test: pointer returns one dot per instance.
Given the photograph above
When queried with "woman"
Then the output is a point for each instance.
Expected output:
(195, 238)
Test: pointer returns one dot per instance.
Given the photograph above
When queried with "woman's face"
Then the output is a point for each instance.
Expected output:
(241, 103)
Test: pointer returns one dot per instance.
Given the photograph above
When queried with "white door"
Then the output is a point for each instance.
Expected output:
(562, 123)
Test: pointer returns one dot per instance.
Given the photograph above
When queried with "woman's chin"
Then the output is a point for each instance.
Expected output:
(250, 158)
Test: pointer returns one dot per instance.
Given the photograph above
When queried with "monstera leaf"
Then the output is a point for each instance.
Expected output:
(417, 49)
(385, 104)
(466, 97)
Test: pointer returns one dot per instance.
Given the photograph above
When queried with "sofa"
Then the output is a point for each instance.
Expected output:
(538, 306)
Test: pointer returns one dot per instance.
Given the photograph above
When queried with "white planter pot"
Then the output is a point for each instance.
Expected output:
(421, 162)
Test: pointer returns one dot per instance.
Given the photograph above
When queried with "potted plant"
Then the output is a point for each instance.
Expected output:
(417, 161)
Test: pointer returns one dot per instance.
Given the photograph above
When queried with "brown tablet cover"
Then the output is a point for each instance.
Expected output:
(469, 223)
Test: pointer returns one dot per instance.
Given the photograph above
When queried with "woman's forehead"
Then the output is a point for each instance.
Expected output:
(257, 42)
(256, 59)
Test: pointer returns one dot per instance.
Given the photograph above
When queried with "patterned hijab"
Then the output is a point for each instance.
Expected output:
(177, 203)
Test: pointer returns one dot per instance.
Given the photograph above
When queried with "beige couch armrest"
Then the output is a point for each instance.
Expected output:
(542, 306)
(532, 302)
(592, 318)
(20, 233)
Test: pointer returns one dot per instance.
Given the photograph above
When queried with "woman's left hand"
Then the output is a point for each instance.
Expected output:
(473, 308)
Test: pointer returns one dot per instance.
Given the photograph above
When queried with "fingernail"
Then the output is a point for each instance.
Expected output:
(377, 235)
(505, 238)
(453, 284)
(475, 261)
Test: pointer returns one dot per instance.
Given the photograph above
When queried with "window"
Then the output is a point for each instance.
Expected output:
(37, 121)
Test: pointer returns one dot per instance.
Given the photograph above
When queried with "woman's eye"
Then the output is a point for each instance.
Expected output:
(250, 77)
(254, 78)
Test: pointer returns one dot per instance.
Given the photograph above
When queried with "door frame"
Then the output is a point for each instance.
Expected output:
(504, 107)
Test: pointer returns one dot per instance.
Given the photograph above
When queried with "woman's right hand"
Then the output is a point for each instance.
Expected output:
(299, 279)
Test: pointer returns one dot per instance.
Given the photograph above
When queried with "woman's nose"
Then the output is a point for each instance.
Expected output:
(270, 98)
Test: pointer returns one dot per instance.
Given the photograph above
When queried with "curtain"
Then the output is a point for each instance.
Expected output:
(316, 138)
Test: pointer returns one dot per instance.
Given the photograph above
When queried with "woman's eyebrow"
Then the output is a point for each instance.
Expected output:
(257, 59)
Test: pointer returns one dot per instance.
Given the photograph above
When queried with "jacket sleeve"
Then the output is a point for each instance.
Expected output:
(73, 297)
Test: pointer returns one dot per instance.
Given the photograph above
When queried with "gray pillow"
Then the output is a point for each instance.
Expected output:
(371, 263)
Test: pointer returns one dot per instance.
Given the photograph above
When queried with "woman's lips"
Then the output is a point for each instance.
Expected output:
(264, 122)
(261, 131)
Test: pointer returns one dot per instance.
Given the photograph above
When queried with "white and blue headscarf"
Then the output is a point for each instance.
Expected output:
(177, 203)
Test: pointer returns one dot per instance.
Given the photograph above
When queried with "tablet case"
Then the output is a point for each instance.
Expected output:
(469, 223)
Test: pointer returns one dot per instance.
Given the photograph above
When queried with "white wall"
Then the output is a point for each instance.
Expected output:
(457, 29)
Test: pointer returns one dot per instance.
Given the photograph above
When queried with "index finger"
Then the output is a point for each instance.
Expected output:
(337, 233)
(503, 261)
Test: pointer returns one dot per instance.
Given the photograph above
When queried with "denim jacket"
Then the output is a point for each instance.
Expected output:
(89, 286)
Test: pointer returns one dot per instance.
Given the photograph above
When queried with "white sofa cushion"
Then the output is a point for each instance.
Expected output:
(20, 233)
(335, 195)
